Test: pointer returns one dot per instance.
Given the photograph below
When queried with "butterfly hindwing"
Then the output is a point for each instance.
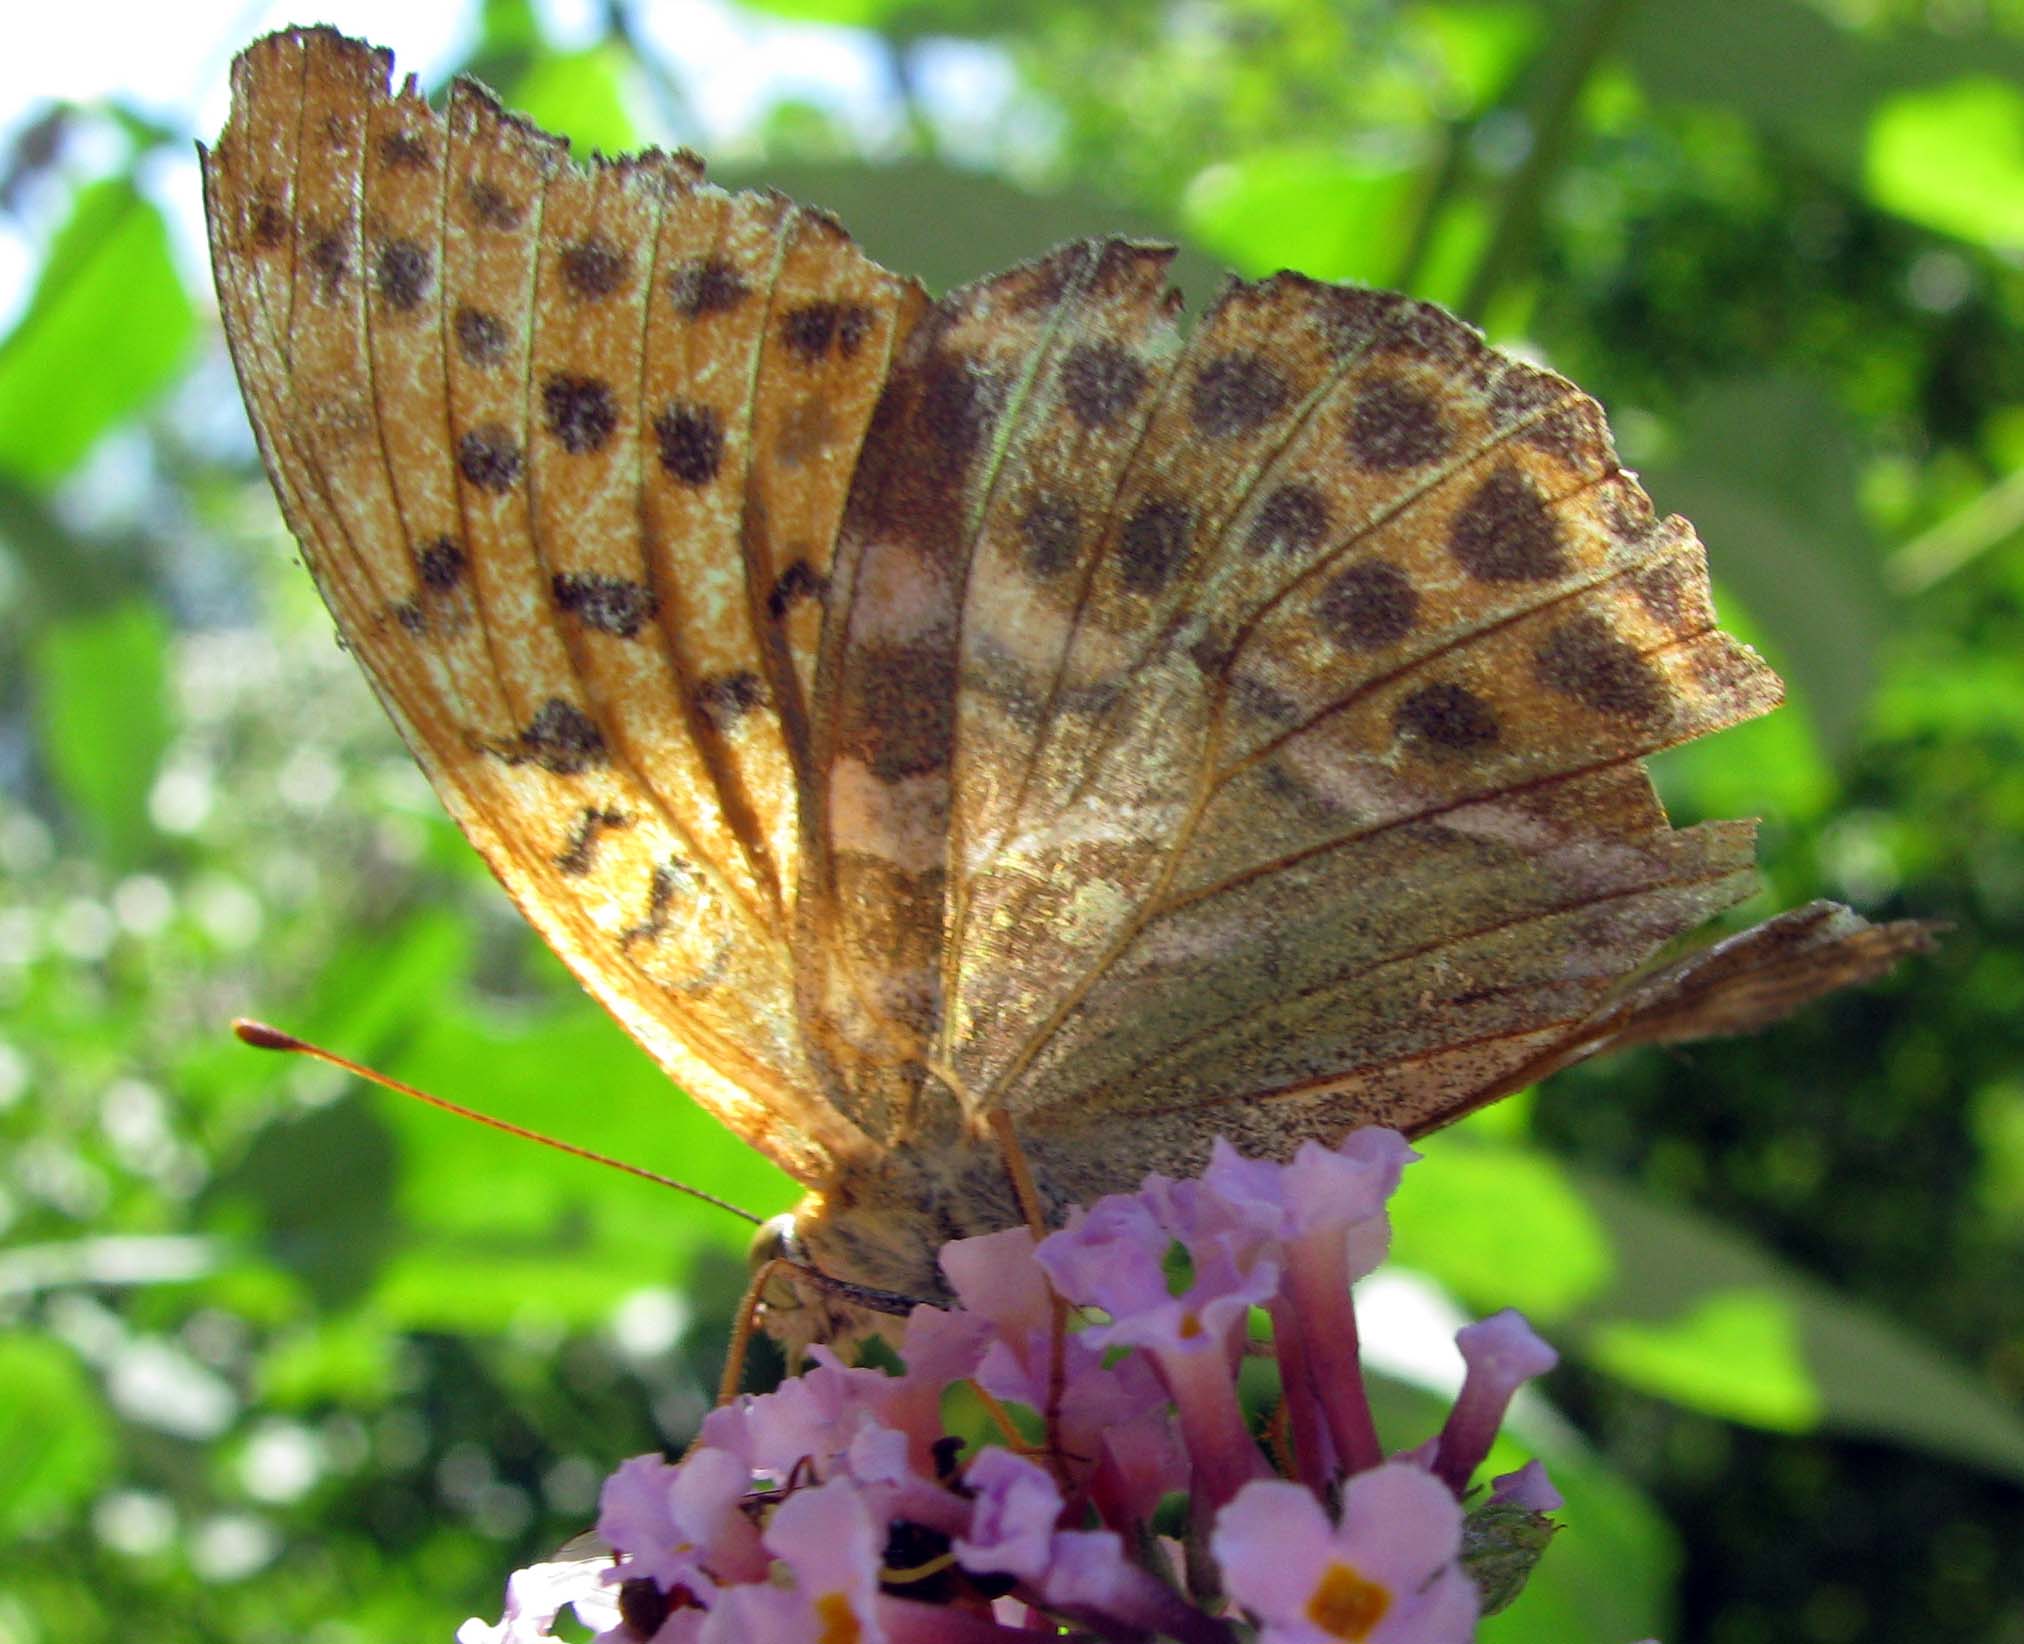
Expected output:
(1315, 798)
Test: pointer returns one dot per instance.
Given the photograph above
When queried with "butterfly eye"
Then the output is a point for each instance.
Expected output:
(776, 1240)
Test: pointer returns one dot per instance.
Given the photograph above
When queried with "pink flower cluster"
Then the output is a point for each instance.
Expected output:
(837, 1511)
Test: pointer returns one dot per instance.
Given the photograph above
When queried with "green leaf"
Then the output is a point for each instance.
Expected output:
(1502, 1544)
(1695, 1313)
(582, 93)
(945, 227)
(1480, 46)
(857, 14)
(1746, 55)
(1742, 53)
(1453, 1217)
(1736, 1353)
(1611, 1576)
(103, 719)
(1765, 468)
(1331, 213)
(1952, 157)
(56, 1444)
(106, 330)
(492, 1228)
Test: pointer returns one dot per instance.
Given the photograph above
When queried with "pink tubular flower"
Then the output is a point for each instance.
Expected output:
(836, 1510)
(1528, 1488)
(1502, 1353)
(681, 1526)
(1113, 1256)
(1012, 1523)
(1325, 1211)
(830, 1544)
(1387, 1574)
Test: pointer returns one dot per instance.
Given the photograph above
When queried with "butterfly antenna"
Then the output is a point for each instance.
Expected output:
(262, 1037)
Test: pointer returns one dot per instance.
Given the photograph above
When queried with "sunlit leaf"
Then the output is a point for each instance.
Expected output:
(1331, 213)
(56, 1443)
(945, 226)
(1479, 45)
(101, 709)
(1791, 1354)
(1736, 1354)
(582, 93)
(1456, 1216)
(106, 330)
(1952, 157)
(497, 1226)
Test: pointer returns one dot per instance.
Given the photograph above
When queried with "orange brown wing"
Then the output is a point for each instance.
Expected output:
(565, 449)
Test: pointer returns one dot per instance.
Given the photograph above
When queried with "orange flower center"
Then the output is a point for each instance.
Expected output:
(839, 1620)
(1345, 1605)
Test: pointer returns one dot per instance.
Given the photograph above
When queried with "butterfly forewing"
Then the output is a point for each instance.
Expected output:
(471, 381)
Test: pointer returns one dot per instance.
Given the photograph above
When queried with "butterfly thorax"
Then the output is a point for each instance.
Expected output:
(882, 1221)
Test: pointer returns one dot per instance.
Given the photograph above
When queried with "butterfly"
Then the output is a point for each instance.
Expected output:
(905, 715)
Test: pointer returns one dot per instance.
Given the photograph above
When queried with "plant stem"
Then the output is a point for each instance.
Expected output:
(1552, 124)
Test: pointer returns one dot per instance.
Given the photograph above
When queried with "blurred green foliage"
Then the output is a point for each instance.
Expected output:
(281, 1358)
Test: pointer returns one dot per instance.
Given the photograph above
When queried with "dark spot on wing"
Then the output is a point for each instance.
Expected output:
(330, 260)
(811, 330)
(489, 457)
(1100, 382)
(1583, 659)
(404, 151)
(1395, 425)
(798, 582)
(706, 285)
(577, 855)
(1289, 521)
(1236, 393)
(579, 411)
(1449, 716)
(403, 274)
(669, 879)
(958, 402)
(691, 440)
(1051, 530)
(593, 268)
(1153, 544)
(727, 698)
(561, 738)
(612, 605)
(1505, 533)
(440, 565)
(491, 207)
(1367, 606)
(270, 226)
(482, 338)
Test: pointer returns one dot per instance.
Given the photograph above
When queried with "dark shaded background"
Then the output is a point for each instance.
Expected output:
(283, 1359)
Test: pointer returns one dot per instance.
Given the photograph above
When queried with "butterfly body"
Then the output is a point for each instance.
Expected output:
(903, 713)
